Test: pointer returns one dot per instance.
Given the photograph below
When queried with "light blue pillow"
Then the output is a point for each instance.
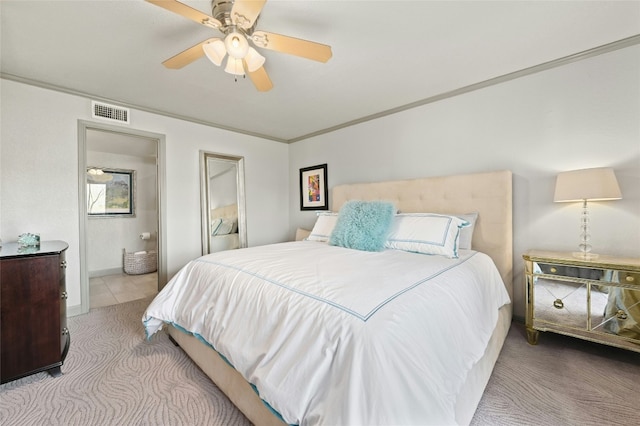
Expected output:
(363, 225)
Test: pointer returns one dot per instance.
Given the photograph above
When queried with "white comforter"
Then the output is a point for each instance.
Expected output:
(336, 336)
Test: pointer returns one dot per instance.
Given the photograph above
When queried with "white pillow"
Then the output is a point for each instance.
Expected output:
(215, 224)
(325, 223)
(466, 233)
(225, 227)
(426, 233)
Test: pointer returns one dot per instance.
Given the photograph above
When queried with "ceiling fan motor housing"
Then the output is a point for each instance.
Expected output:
(221, 10)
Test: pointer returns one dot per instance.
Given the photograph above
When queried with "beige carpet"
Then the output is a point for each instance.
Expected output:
(113, 376)
(560, 382)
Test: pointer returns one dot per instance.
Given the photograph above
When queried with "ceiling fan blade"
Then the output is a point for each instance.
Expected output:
(259, 77)
(187, 56)
(293, 46)
(245, 12)
(187, 11)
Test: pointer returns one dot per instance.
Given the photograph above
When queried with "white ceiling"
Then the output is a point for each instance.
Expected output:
(386, 54)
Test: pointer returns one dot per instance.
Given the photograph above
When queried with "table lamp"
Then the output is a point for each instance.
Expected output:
(584, 185)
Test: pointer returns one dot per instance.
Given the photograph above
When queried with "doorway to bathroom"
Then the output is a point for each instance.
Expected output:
(121, 192)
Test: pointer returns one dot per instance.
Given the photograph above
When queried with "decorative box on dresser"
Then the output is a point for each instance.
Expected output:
(33, 309)
(594, 299)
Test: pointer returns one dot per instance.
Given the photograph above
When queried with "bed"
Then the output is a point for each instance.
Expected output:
(411, 389)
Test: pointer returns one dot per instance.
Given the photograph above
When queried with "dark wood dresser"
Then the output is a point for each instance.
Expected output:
(33, 309)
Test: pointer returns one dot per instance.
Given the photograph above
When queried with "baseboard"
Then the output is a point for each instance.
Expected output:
(72, 311)
(103, 272)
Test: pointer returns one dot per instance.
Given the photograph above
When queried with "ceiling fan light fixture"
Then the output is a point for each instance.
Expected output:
(254, 60)
(215, 51)
(236, 44)
(234, 66)
(94, 171)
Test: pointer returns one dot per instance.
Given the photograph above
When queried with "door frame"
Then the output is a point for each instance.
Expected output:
(161, 198)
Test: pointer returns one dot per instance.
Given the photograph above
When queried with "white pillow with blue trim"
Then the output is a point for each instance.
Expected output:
(426, 233)
(466, 233)
(323, 228)
(226, 227)
(215, 224)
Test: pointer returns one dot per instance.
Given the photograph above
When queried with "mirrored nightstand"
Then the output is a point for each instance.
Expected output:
(596, 300)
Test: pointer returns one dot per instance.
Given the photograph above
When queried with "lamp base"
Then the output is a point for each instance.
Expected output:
(585, 256)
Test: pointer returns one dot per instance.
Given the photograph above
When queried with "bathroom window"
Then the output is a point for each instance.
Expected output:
(110, 192)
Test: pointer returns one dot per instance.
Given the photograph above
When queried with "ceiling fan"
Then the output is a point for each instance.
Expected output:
(236, 20)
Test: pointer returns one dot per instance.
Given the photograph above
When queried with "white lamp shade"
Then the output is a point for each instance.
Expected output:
(254, 60)
(588, 184)
(215, 51)
(236, 44)
(234, 66)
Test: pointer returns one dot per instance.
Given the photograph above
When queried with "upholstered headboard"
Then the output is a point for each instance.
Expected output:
(489, 194)
(226, 212)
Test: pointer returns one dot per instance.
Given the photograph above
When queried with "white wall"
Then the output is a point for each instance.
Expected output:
(108, 236)
(223, 188)
(581, 115)
(585, 114)
(39, 175)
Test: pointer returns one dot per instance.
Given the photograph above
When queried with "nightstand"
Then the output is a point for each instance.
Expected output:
(596, 299)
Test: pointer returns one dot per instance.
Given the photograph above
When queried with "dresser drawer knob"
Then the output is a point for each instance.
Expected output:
(553, 270)
(558, 304)
(629, 279)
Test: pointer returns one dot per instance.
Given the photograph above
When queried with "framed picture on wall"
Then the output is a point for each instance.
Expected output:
(313, 188)
(110, 192)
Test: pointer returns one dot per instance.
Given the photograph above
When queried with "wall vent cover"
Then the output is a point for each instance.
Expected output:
(109, 112)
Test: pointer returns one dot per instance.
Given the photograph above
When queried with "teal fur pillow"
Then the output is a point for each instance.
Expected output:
(363, 225)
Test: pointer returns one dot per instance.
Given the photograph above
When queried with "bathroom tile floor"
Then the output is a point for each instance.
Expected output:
(114, 289)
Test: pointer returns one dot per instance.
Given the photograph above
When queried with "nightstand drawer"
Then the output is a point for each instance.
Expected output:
(572, 271)
(559, 302)
(603, 275)
(629, 278)
(621, 313)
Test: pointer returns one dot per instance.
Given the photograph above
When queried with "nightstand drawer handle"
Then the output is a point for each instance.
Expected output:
(629, 278)
(553, 270)
(621, 315)
(558, 304)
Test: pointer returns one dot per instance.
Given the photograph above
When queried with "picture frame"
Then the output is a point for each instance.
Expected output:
(110, 192)
(314, 192)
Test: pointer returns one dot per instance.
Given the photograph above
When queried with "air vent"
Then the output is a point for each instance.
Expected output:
(109, 112)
